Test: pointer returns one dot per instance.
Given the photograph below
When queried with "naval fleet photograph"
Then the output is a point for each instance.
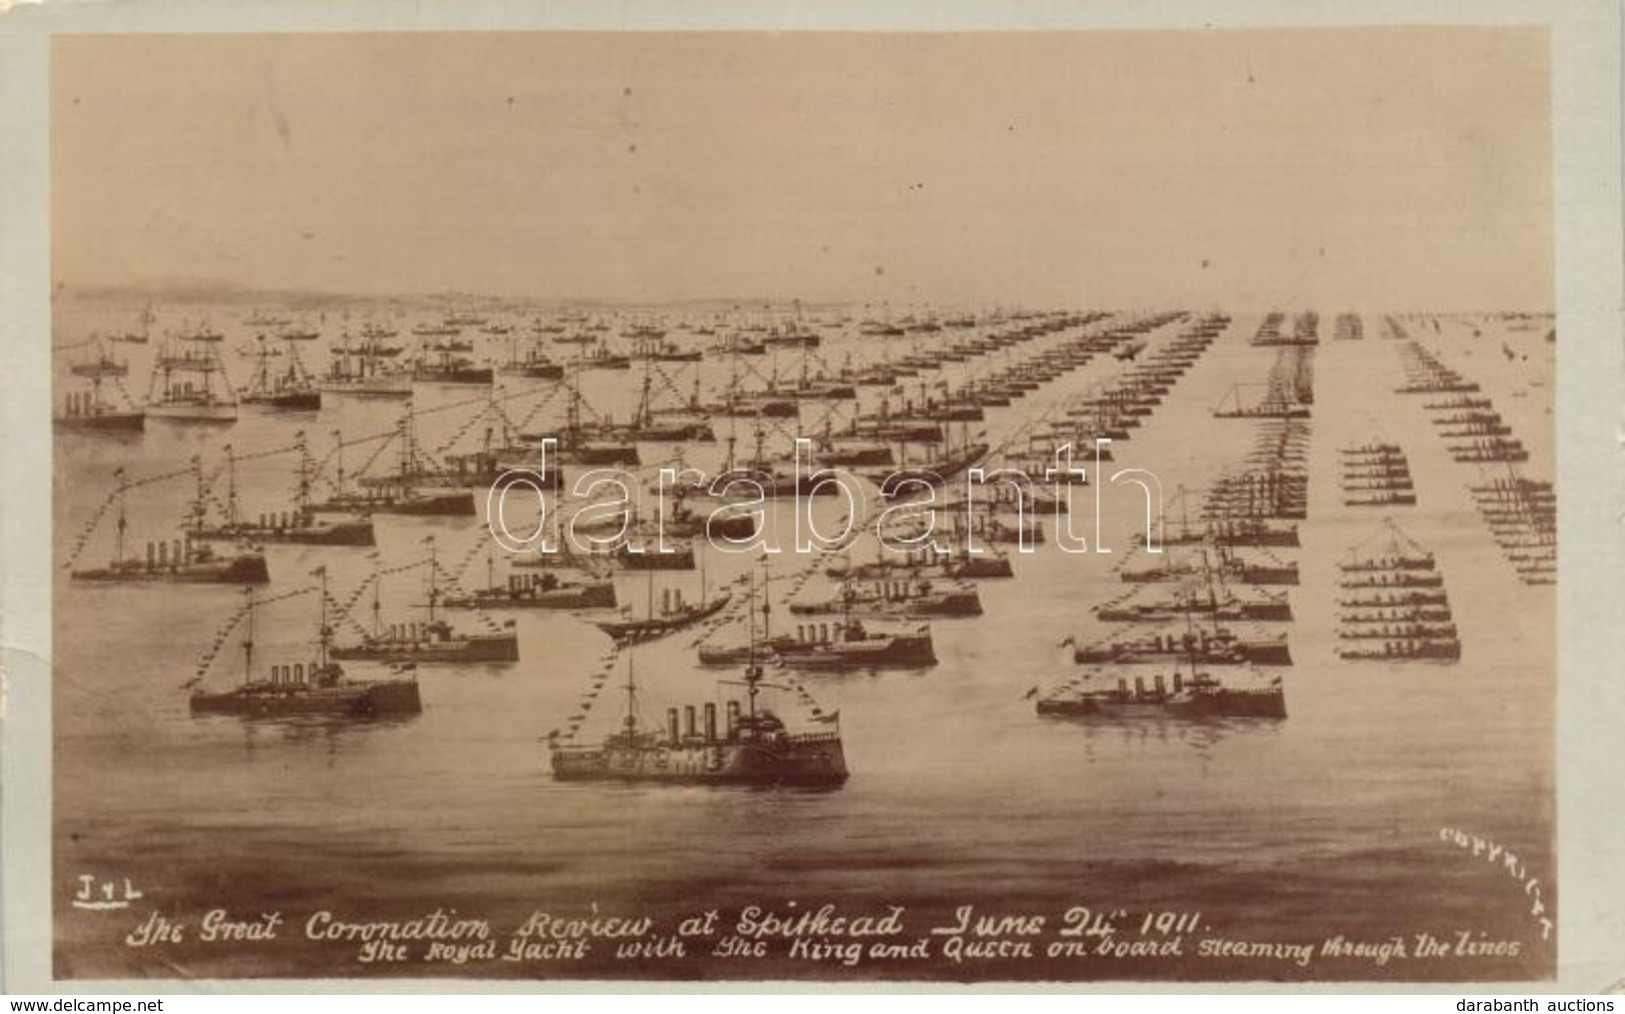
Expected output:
(846, 507)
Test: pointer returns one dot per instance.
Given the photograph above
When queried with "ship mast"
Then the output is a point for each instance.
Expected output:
(262, 381)
(406, 447)
(198, 508)
(231, 487)
(631, 720)
(767, 597)
(434, 588)
(750, 624)
(338, 454)
(248, 638)
(377, 602)
(643, 418)
(301, 488)
(123, 522)
(324, 633)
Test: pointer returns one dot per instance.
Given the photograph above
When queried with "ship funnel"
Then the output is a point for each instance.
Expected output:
(1179, 683)
(671, 726)
(733, 719)
(1139, 686)
(689, 730)
(710, 722)
(1161, 686)
(665, 600)
(1122, 686)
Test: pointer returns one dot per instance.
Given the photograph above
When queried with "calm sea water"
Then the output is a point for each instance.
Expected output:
(1328, 823)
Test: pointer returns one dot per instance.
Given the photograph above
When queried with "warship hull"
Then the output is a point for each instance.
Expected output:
(355, 700)
(116, 422)
(467, 648)
(244, 570)
(287, 401)
(900, 651)
(448, 504)
(812, 760)
(530, 595)
(220, 413)
(343, 533)
(1112, 704)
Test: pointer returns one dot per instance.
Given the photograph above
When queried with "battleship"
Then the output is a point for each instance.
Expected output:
(754, 747)
(184, 564)
(906, 597)
(848, 644)
(191, 386)
(853, 645)
(175, 562)
(1220, 604)
(537, 591)
(290, 389)
(654, 426)
(363, 372)
(434, 640)
(1187, 691)
(1219, 647)
(1230, 567)
(644, 558)
(1398, 609)
(300, 526)
(446, 367)
(955, 565)
(1448, 650)
(1376, 475)
(533, 363)
(88, 411)
(320, 687)
(400, 492)
(91, 410)
(1236, 532)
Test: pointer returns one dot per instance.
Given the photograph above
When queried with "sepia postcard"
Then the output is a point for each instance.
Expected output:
(524, 500)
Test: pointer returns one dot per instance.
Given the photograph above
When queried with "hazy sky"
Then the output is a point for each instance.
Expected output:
(1340, 168)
